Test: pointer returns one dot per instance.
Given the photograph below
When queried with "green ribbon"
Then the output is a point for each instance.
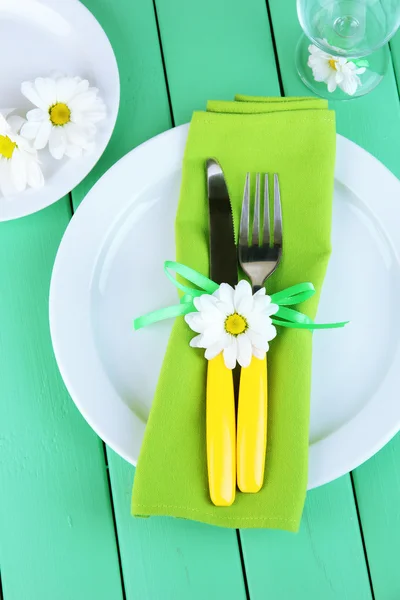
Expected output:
(285, 317)
(361, 62)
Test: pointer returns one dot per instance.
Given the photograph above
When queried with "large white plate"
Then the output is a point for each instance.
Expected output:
(109, 269)
(39, 38)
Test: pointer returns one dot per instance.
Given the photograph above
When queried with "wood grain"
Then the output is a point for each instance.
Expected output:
(173, 559)
(215, 49)
(162, 559)
(374, 123)
(57, 538)
(377, 482)
(56, 529)
(324, 560)
(395, 52)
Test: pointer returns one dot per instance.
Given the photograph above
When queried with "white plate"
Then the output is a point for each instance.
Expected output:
(43, 37)
(105, 275)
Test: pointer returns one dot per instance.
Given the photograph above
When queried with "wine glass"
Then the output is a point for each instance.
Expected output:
(344, 52)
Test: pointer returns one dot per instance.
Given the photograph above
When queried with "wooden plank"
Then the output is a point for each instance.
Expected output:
(324, 560)
(373, 122)
(161, 558)
(395, 51)
(377, 485)
(377, 482)
(57, 533)
(215, 49)
(172, 558)
(227, 49)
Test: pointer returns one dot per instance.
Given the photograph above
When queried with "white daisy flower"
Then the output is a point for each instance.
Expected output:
(335, 71)
(235, 322)
(66, 115)
(19, 165)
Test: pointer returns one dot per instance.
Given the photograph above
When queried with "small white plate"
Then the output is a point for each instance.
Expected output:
(40, 38)
(109, 269)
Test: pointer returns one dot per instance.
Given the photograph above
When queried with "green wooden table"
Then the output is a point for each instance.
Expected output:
(65, 528)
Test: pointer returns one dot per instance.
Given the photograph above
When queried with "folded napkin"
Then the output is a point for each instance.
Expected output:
(294, 137)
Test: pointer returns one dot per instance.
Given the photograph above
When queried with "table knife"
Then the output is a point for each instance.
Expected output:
(220, 398)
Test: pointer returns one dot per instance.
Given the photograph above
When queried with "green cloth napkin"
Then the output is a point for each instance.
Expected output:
(296, 139)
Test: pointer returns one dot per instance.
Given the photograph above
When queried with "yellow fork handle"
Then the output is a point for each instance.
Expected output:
(221, 433)
(252, 426)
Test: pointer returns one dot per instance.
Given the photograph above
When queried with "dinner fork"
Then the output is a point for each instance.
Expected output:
(259, 256)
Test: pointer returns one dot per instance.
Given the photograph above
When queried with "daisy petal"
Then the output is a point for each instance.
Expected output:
(194, 342)
(95, 115)
(73, 151)
(211, 335)
(195, 322)
(243, 297)
(213, 351)
(259, 353)
(84, 101)
(18, 170)
(34, 175)
(225, 293)
(36, 114)
(258, 340)
(206, 303)
(43, 134)
(57, 143)
(89, 147)
(230, 354)
(260, 292)
(349, 85)
(82, 85)
(16, 123)
(29, 91)
(244, 350)
(271, 309)
(6, 186)
(66, 87)
(30, 130)
(4, 126)
(46, 88)
(76, 135)
(332, 85)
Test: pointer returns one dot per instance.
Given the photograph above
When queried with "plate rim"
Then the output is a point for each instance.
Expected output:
(345, 148)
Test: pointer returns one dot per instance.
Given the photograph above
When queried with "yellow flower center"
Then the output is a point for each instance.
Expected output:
(332, 64)
(60, 114)
(7, 146)
(235, 324)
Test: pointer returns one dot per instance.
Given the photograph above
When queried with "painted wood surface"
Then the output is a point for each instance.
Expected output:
(377, 482)
(373, 122)
(57, 536)
(324, 560)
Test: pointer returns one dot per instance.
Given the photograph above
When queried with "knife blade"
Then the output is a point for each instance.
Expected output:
(223, 253)
(220, 404)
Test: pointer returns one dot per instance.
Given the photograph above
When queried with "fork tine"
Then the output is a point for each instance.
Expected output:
(245, 217)
(255, 240)
(277, 213)
(266, 226)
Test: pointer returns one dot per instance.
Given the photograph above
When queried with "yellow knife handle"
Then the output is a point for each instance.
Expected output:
(252, 426)
(221, 433)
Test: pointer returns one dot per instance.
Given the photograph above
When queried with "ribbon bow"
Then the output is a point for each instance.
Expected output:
(285, 317)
